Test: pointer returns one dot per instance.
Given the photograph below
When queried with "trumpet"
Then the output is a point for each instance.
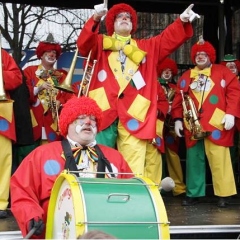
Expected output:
(190, 114)
(66, 84)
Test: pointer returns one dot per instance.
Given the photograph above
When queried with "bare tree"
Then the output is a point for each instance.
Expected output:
(23, 26)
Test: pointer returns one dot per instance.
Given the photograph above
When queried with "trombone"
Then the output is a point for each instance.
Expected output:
(87, 76)
(86, 79)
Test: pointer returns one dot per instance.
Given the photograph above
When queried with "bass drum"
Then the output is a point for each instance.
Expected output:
(125, 208)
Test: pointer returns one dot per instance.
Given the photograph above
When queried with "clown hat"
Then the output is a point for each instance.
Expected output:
(75, 107)
(114, 11)
(203, 46)
(48, 45)
(230, 58)
(167, 63)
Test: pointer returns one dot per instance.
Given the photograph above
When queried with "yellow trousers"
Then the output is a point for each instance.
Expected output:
(5, 170)
(143, 158)
(221, 167)
(175, 171)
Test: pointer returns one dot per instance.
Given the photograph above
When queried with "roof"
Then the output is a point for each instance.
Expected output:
(161, 6)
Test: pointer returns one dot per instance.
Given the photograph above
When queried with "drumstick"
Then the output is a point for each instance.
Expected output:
(105, 2)
(31, 232)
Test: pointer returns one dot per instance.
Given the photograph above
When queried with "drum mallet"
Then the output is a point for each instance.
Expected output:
(31, 232)
(167, 184)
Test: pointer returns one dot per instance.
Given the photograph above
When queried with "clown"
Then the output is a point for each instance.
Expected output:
(32, 183)
(215, 93)
(124, 81)
(232, 63)
(11, 79)
(166, 71)
(45, 100)
(234, 66)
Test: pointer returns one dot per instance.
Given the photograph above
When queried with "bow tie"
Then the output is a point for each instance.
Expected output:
(132, 52)
(195, 72)
(90, 151)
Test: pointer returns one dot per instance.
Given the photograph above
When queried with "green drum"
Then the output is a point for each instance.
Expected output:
(125, 208)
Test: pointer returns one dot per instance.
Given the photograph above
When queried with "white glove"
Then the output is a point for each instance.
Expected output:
(100, 10)
(189, 15)
(177, 127)
(228, 121)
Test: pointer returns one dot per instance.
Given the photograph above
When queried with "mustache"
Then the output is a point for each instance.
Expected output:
(87, 127)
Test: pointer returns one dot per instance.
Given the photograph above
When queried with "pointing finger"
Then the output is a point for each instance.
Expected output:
(189, 8)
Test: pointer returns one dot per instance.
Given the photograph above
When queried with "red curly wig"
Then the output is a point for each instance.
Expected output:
(206, 47)
(114, 11)
(46, 46)
(75, 107)
(167, 63)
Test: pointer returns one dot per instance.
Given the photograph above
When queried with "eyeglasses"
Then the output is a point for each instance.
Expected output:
(88, 118)
(124, 15)
(203, 54)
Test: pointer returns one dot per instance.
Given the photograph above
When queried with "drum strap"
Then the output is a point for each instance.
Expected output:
(70, 163)
(102, 162)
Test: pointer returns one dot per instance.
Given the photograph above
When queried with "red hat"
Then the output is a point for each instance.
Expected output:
(47, 46)
(75, 107)
(114, 11)
(203, 46)
(167, 63)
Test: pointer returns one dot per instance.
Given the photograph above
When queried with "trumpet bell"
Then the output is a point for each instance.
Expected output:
(200, 135)
(66, 84)
(66, 87)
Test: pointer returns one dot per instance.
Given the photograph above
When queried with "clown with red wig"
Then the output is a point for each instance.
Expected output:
(167, 70)
(32, 183)
(124, 81)
(44, 98)
(215, 95)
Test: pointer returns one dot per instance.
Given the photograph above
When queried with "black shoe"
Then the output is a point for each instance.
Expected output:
(189, 201)
(222, 202)
(3, 214)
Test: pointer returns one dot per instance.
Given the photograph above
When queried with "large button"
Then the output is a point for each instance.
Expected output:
(121, 96)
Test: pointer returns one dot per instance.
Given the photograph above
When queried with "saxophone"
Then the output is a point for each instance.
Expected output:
(169, 123)
(190, 114)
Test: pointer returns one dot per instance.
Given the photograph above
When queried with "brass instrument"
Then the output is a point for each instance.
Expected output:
(66, 84)
(3, 97)
(51, 98)
(87, 76)
(190, 114)
(169, 123)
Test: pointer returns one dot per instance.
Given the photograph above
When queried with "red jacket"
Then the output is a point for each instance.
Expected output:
(32, 182)
(222, 96)
(115, 92)
(12, 78)
(43, 119)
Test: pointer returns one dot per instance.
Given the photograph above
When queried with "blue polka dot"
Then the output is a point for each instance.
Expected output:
(183, 83)
(169, 140)
(4, 125)
(158, 141)
(52, 167)
(133, 124)
(52, 136)
(216, 134)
